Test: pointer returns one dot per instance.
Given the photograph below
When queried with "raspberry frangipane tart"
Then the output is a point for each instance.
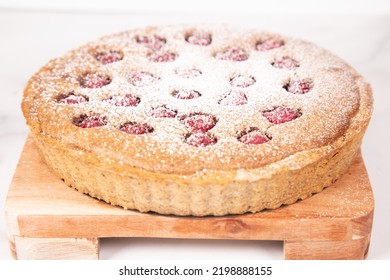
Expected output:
(198, 120)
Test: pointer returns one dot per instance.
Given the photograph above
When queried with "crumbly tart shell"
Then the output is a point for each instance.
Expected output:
(210, 192)
(161, 171)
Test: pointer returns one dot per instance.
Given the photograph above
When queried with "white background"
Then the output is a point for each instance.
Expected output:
(32, 33)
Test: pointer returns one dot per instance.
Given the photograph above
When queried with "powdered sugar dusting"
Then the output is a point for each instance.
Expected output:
(137, 97)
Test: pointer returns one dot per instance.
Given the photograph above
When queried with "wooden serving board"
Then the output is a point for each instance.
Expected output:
(48, 220)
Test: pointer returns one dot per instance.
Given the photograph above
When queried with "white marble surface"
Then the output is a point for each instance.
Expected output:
(29, 39)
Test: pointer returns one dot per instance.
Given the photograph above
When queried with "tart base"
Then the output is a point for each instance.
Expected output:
(214, 193)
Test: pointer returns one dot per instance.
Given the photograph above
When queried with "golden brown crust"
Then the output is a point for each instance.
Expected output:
(159, 171)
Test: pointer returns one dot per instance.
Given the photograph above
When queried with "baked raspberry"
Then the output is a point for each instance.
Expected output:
(199, 139)
(234, 98)
(186, 94)
(269, 44)
(71, 99)
(106, 57)
(86, 121)
(163, 112)
(299, 86)
(162, 56)
(141, 78)
(94, 80)
(281, 115)
(151, 41)
(232, 54)
(187, 73)
(285, 63)
(200, 122)
(199, 38)
(253, 136)
(242, 81)
(127, 100)
(136, 128)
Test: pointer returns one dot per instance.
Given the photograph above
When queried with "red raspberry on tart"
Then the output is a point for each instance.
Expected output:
(94, 80)
(199, 122)
(199, 139)
(186, 94)
(232, 54)
(126, 100)
(71, 98)
(108, 56)
(140, 78)
(280, 115)
(253, 137)
(153, 42)
(269, 44)
(136, 128)
(200, 38)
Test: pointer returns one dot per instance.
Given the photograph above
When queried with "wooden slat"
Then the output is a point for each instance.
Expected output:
(327, 250)
(57, 248)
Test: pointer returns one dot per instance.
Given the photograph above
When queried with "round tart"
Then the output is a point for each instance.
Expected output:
(198, 120)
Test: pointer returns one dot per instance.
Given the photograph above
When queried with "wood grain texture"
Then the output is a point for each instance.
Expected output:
(40, 206)
(327, 249)
(28, 248)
